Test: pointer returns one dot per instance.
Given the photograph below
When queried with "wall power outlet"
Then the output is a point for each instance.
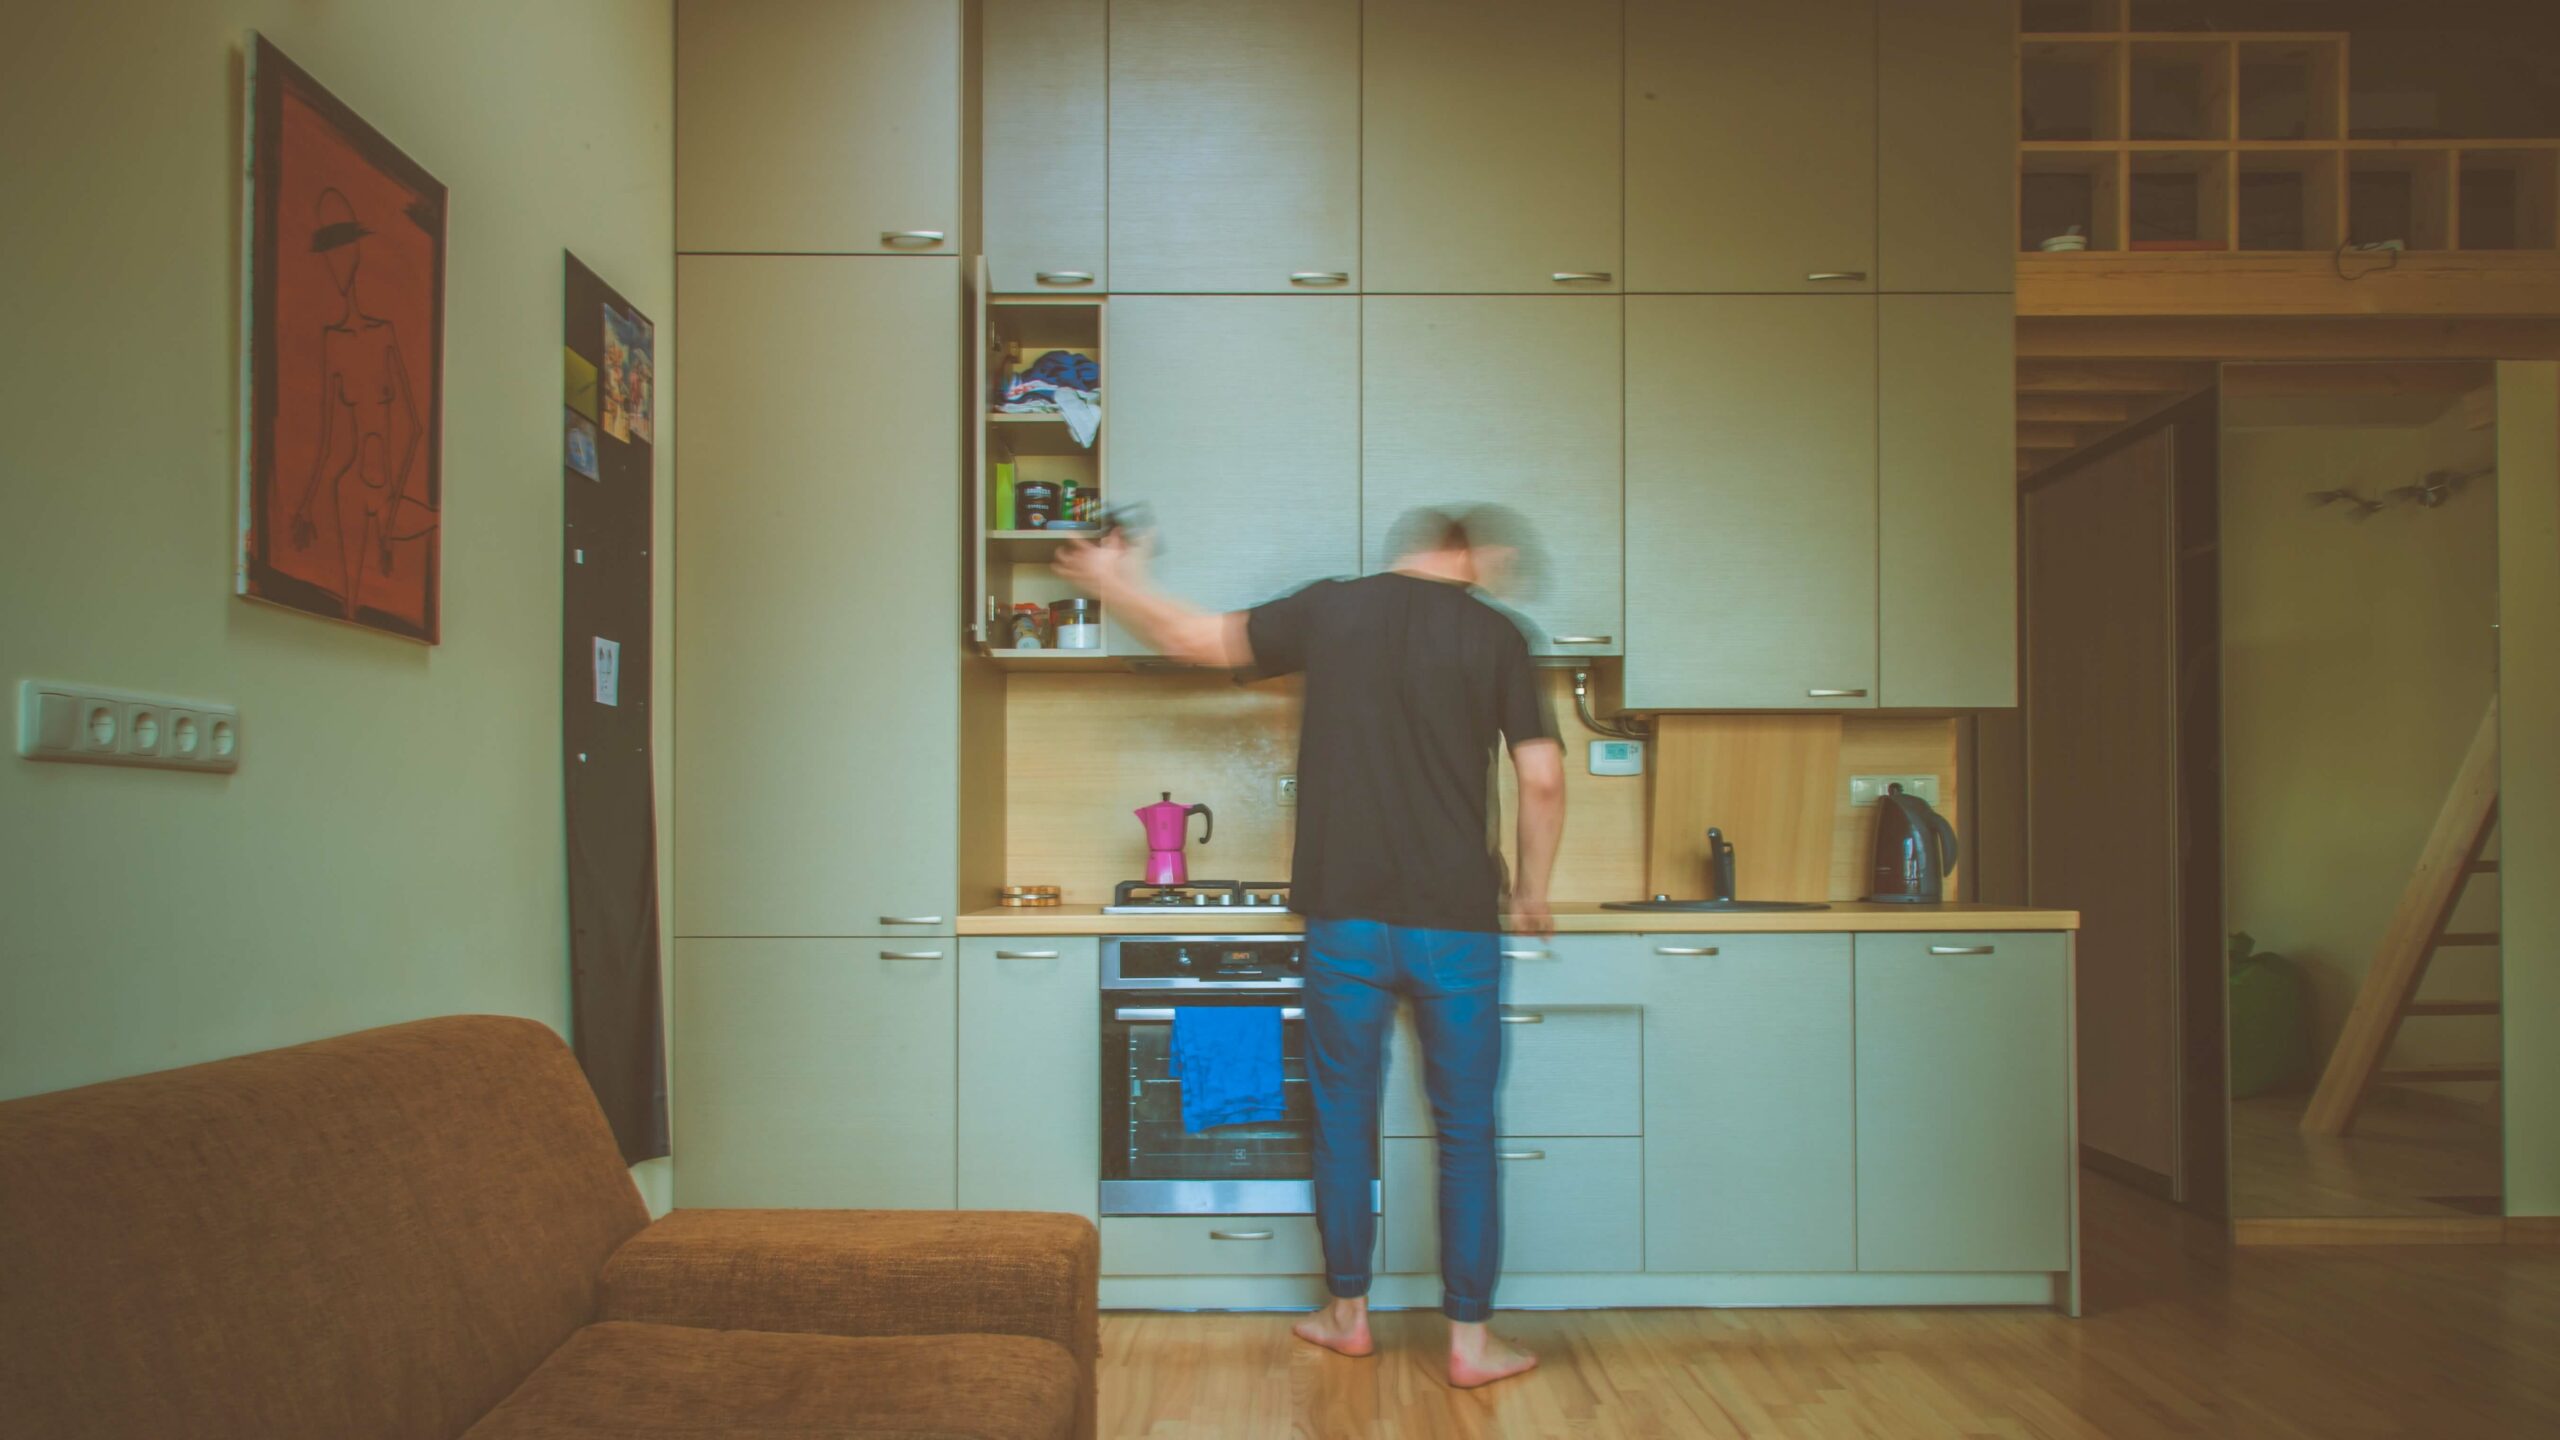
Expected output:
(1868, 789)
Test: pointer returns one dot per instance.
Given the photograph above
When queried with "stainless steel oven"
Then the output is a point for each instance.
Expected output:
(1150, 1164)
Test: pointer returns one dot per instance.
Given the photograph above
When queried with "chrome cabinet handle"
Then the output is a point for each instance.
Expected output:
(1686, 950)
(1522, 1155)
(1317, 279)
(1837, 275)
(1026, 954)
(1140, 1014)
(1064, 277)
(910, 954)
(1580, 639)
(1530, 1017)
(1528, 954)
(1240, 1234)
(910, 919)
(1836, 694)
(1964, 949)
(910, 239)
(1582, 277)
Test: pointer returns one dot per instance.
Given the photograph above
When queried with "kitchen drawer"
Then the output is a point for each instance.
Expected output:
(1573, 970)
(1192, 1245)
(1566, 1070)
(1567, 1204)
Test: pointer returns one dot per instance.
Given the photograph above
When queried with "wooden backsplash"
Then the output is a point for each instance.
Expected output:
(1082, 751)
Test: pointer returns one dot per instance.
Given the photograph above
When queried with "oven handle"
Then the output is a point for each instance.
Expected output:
(1165, 1013)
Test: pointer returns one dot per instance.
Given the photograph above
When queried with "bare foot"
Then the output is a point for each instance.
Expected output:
(1341, 1327)
(1477, 1357)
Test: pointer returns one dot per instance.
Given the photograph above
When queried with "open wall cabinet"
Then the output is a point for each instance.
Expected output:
(1014, 449)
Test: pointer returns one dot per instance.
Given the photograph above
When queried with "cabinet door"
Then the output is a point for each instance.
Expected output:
(1947, 498)
(1751, 502)
(1567, 1205)
(817, 683)
(818, 127)
(1041, 80)
(1947, 157)
(1237, 420)
(1750, 1150)
(1489, 146)
(1029, 1074)
(1566, 1070)
(1964, 1095)
(1512, 400)
(1715, 200)
(815, 1073)
(1235, 146)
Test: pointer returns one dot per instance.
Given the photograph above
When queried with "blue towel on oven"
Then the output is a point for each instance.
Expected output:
(1228, 1060)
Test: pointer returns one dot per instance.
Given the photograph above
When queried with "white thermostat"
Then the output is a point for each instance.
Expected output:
(1617, 757)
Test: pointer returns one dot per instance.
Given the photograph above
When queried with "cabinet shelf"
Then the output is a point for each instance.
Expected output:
(1057, 660)
(1041, 434)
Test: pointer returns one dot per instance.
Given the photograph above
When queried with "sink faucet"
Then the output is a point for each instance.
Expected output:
(1719, 865)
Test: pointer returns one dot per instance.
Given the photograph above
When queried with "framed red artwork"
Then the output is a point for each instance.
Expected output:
(341, 483)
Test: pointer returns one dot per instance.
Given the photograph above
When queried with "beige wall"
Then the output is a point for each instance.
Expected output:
(2358, 656)
(391, 847)
(2529, 752)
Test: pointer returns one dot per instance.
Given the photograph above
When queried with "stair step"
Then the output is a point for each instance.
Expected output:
(2467, 937)
(2437, 1074)
(2451, 1007)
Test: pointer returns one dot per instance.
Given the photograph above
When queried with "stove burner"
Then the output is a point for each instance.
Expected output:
(1136, 897)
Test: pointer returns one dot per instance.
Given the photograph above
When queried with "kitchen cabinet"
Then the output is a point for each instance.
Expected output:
(1946, 157)
(1947, 502)
(821, 592)
(1568, 1204)
(1751, 145)
(1031, 1010)
(1751, 502)
(1513, 400)
(1236, 419)
(1042, 78)
(818, 126)
(1566, 1070)
(815, 1072)
(1490, 146)
(1965, 1160)
(1750, 1159)
(1235, 146)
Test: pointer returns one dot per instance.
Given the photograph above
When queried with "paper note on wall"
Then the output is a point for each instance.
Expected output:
(608, 671)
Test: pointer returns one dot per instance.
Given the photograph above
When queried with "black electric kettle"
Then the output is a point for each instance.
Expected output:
(1915, 848)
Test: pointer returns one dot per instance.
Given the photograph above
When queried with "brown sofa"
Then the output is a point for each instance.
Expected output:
(425, 1231)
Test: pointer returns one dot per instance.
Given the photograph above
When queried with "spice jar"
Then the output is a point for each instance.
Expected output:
(1030, 628)
(1077, 623)
(1035, 504)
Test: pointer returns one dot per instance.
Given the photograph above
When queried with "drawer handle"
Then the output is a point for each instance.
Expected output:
(910, 239)
(1582, 277)
(1528, 954)
(910, 919)
(1523, 1155)
(1163, 1014)
(1026, 954)
(1819, 275)
(1836, 694)
(1526, 1017)
(1240, 1234)
(1317, 279)
(1686, 950)
(1964, 949)
(1580, 639)
(910, 954)
(1064, 277)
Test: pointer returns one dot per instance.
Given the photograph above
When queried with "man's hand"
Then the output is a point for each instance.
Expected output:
(1104, 568)
(1530, 916)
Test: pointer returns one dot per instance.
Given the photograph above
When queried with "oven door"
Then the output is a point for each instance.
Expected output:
(1152, 1166)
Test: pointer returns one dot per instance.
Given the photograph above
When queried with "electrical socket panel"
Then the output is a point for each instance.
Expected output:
(91, 725)
(1287, 790)
(1868, 789)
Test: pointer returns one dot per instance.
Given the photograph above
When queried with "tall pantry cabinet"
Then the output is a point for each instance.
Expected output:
(818, 575)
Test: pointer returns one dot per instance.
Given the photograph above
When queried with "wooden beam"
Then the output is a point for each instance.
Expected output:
(2484, 283)
(2110, 377)
(2370, 380)
(2223, 337)
(2076, 409)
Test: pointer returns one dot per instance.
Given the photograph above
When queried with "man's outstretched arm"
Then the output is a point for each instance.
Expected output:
(1539, 764)
(1114, 573)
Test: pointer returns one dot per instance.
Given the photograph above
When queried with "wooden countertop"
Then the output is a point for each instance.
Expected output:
(1578, 918)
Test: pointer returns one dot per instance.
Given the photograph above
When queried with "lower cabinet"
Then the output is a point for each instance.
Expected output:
(1030, 1075)
(815, 1072)
(1568, 1204)
(1749, 1117)
(1964, 1095)
(1566, 1070)
(1211, 1245)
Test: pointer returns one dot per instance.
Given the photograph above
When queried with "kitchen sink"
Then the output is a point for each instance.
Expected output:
(1661, 904)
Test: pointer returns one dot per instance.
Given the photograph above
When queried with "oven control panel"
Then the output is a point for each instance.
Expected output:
(1203, 960)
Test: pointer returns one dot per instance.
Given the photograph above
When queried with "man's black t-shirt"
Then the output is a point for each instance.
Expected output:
(1408, 682)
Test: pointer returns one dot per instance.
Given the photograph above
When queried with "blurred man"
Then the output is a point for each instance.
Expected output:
(1411, 678)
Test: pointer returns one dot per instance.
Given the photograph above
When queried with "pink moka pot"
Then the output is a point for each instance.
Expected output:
(1168, 824)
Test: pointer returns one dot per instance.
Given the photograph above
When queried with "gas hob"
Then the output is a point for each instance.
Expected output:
(1214, 897)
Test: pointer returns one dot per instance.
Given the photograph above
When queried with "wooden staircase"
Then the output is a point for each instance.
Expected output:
(2066, 406)
(2416, 932)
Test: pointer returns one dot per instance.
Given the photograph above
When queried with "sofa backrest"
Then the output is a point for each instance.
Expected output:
(378, 1235)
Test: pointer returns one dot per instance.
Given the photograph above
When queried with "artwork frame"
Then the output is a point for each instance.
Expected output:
(342, 391)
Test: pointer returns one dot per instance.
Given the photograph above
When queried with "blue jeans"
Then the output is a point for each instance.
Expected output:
(1356, 970)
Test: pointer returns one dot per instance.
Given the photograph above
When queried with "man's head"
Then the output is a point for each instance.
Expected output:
(1488, 546)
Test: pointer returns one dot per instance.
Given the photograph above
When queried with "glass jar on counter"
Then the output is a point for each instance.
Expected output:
(1076, 622)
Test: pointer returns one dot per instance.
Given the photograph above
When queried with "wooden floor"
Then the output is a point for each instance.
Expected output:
(2184, 1337)
(2408, 1156)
